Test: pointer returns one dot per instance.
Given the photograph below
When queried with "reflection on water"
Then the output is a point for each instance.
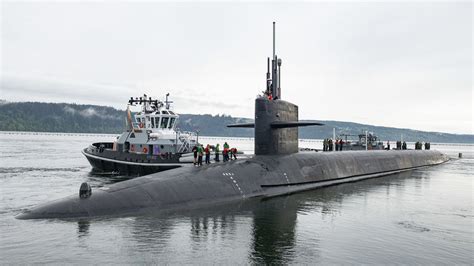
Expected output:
(274, 223)
(83, 228)
(97, 179)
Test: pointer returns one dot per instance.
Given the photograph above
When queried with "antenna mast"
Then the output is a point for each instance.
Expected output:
(167, 103)
(273, 39)
(276, 64)
(273, 79)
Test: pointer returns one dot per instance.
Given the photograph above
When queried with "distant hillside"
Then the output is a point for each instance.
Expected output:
(61, 117)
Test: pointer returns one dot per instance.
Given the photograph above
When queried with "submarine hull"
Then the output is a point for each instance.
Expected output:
(260, 176)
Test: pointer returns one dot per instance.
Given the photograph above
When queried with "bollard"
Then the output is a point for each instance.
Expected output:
(460, 155)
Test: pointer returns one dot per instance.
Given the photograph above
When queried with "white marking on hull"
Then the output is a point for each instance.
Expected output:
(234, 181)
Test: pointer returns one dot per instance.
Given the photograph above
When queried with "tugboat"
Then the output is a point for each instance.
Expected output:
(151, 143)
(370, 140)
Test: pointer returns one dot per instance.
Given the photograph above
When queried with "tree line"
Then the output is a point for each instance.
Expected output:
(75, 118)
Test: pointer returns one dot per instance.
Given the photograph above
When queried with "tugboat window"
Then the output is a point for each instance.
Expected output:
(152, 122)
(164, 122)
(157, 122)
(127, 146)
(172, 122)
(138, 120)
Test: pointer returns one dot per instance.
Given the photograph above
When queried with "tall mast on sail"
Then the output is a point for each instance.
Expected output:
(273, 81)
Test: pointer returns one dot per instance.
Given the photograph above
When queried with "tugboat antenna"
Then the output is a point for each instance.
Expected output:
(167, 102)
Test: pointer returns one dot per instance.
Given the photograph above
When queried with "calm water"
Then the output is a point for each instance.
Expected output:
(419, 217)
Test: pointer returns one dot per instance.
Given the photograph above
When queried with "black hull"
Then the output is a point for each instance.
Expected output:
(261, 176)
(129, 168)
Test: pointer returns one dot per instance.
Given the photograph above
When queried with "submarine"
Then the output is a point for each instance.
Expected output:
(277, 168)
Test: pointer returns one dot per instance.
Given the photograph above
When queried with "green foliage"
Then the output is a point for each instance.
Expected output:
(62, 117)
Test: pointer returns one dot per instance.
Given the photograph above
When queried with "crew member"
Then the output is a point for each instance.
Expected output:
(195, 153)
(207, 151)
(216, 150)
(225, 154)
(268, 94)
(234, 153)
(200, 153)
(388, 145)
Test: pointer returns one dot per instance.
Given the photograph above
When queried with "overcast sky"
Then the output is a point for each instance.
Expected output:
(396, 64)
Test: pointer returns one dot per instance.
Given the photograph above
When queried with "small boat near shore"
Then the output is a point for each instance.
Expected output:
(151, 143)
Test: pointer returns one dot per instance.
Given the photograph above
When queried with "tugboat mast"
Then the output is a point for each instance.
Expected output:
(167, 103)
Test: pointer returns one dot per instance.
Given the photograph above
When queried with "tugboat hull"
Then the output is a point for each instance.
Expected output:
(131, 164)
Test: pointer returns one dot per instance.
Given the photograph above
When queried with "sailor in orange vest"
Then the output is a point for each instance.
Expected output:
(233, 153)
(207, 151)
(225, 154)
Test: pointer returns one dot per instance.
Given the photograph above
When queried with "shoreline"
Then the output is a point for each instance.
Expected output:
(206, 137)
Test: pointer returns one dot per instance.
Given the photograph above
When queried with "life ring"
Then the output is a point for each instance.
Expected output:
(145, 150)
(141, 125)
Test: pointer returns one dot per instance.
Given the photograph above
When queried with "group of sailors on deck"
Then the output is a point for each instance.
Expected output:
(328, 144)
(199, 151)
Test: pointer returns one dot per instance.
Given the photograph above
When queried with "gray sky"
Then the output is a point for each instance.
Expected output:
(395, 64)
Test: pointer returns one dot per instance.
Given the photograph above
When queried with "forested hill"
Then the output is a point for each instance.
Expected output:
(62, 117)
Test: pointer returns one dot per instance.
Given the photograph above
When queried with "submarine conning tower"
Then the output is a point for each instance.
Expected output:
(273, 135)
(276, 121)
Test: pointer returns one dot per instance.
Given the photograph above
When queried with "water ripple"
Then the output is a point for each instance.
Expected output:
(413, 226)
(16, 170)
